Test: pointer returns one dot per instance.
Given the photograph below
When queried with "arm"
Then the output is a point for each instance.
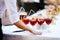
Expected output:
(14, 16)
(20, 24)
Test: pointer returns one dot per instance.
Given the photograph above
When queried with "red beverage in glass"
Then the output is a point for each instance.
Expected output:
(37, 19)
(48, 21)
(26, 21)
(40, 21)
(33, 21)
(22, 16)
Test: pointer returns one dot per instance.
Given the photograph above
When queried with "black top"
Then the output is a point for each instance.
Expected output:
(34, 6)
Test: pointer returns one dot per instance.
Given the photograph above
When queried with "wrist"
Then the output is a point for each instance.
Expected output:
(31, 30)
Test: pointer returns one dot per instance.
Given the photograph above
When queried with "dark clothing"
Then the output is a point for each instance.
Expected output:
(32, 5)
(1, 34)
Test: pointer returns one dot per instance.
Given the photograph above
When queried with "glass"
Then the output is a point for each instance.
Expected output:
(26, 21)
(33, 21)
(40, 21)
(48, 20)
(22, 17)
(48, 23)
(23, 14)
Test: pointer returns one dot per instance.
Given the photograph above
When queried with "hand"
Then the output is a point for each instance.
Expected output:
(35, 32)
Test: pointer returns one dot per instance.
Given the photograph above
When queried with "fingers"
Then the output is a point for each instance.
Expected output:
(37, 32)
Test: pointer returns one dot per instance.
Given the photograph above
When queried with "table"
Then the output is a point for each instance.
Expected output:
(9, 33)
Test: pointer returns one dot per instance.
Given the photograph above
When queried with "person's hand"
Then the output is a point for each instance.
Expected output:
(35, 32)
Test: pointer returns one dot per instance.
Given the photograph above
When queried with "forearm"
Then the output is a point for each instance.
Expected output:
(21, 25)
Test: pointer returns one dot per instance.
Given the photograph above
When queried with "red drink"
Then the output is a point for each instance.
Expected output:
(40, 21)
(33, 21)
(22, 16)
(48, 20)
(26, 21)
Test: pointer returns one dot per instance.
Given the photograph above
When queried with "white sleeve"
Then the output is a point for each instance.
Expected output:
(12, 10)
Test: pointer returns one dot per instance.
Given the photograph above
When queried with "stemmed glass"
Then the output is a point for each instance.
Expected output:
(32, 18)
(48, 22)
(40, 21)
